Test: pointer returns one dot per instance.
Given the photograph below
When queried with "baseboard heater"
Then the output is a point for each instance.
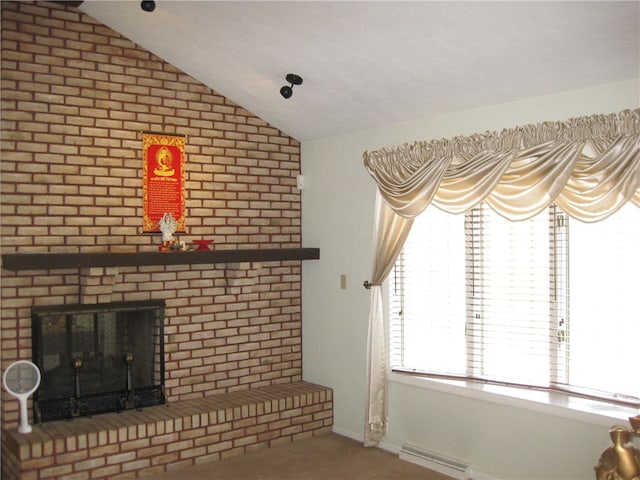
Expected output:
(452, 467)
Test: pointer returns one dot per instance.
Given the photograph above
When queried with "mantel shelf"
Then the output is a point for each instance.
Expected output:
(49, 261)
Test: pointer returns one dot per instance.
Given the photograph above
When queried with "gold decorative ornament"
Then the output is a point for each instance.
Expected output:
(621, 460)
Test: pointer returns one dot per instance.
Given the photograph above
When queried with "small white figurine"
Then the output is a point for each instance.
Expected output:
(168, 225)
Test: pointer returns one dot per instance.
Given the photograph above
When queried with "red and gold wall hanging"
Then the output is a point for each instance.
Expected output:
(164, 171)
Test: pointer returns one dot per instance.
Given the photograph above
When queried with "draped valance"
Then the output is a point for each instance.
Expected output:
(590, 166)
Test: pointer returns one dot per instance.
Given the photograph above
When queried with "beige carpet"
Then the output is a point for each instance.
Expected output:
(328, 457)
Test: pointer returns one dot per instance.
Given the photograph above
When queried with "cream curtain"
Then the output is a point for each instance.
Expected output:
(589, 166)
(390, 232)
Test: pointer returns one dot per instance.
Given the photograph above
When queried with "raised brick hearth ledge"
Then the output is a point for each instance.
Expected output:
(133, 444)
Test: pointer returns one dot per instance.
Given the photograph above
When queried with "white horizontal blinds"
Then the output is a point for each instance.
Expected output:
(559, 301)
(605, 315)
(396, 329)
(427, 320)
(509, 325)
(549, 301)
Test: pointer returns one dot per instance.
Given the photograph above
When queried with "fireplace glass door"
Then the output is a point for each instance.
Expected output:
(98, 358)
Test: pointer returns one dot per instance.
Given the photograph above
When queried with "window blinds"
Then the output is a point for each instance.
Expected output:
(545, 302)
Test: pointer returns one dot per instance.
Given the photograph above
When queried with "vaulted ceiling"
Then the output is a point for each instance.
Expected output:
(367, 64)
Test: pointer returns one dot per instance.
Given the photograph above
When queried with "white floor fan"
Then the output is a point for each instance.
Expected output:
(21, 379)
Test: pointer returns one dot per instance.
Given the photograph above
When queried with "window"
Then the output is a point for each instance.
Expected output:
(548, 302)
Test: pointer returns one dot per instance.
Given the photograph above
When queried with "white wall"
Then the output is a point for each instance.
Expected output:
(337, 213)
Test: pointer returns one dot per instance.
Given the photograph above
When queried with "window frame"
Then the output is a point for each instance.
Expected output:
(557, 403)
(554, 400)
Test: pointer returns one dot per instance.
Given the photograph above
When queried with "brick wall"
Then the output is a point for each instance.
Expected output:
(75, 98)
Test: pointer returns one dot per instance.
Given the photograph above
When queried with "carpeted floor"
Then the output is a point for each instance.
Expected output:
(328, 457)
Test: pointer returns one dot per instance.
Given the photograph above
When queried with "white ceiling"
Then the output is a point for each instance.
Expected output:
(373, 63)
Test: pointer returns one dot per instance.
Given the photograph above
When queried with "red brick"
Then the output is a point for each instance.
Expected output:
(75, 98)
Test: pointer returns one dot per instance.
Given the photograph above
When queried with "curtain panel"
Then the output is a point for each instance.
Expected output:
(589, 166)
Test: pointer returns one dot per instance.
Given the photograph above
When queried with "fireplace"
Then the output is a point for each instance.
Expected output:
(98, 358)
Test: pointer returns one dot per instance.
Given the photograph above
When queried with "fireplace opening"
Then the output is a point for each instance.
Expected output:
(99, 358)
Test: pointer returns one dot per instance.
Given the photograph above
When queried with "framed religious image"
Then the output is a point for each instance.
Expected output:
(163, 186)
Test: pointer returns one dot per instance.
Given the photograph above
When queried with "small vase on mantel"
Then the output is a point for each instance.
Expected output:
(203, 245)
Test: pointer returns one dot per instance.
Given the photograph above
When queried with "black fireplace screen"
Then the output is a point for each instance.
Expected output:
(98, 358)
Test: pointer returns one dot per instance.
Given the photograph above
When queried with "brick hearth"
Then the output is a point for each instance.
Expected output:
(132, 444)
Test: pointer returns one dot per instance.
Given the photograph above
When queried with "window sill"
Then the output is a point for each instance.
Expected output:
(551, 403)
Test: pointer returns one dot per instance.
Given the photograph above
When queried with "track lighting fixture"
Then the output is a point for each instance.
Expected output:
(148, 5)
(293, 79)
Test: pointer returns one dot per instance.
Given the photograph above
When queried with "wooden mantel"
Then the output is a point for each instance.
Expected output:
(48, 261)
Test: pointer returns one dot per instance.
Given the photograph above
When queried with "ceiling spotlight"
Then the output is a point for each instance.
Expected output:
(293, 79)
(286, 92)
(148, 5)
